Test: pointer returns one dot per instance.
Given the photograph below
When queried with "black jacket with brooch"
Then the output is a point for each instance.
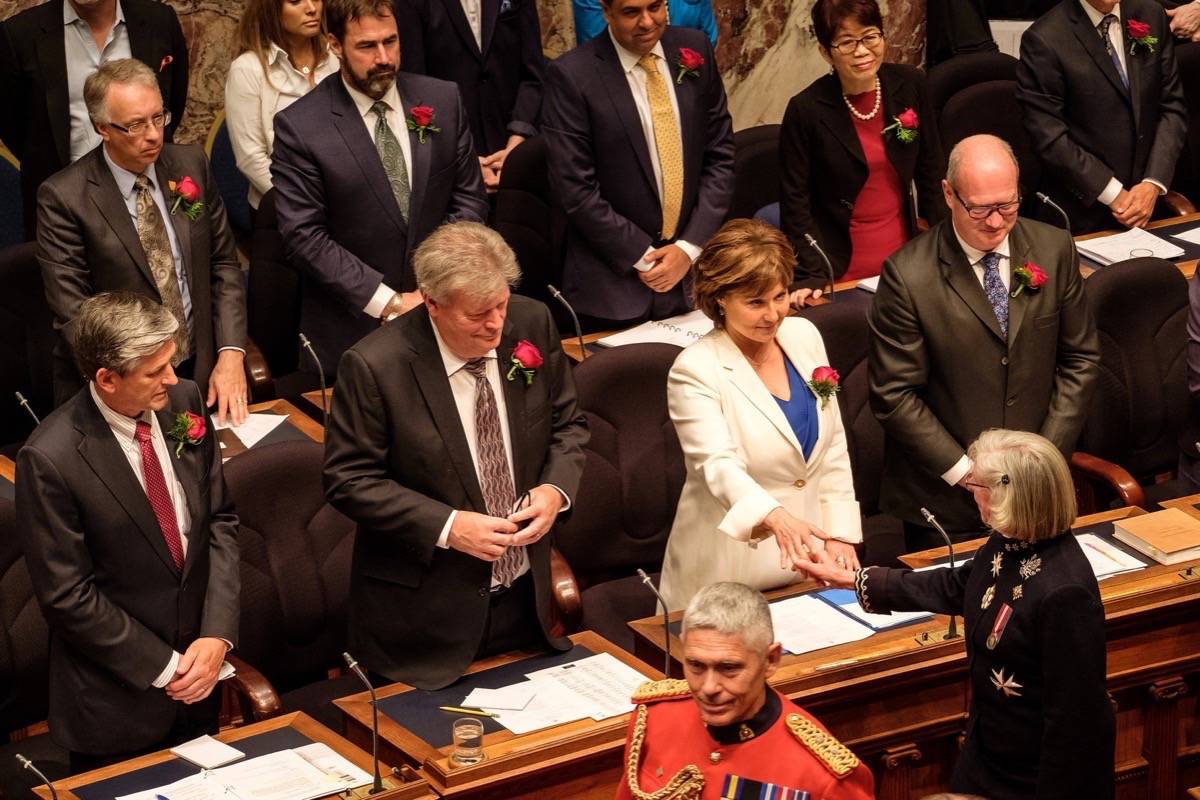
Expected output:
(1040, 722)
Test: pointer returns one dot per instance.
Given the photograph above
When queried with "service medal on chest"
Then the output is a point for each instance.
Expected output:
(988, 596)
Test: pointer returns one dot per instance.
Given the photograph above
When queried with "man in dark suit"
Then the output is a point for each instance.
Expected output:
(355, 192)
(953, 352)
(492, 49)
(1104, 108)
(131, 541)
(454, 441)
(46, 53)
(641, 158)
(117, 220)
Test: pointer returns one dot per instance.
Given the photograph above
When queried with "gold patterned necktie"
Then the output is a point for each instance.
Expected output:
(152, 231)
(667, 142)
(495, 478)
(392, 157)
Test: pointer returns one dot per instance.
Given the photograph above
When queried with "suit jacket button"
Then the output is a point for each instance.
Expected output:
(1012, 401)
(1004, 360)
(800, 483)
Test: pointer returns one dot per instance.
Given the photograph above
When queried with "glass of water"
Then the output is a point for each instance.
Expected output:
(468, 742)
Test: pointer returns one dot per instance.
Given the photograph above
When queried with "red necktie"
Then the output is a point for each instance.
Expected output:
(156, 491)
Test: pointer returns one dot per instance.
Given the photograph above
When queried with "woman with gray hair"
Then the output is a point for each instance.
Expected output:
(1040, 721)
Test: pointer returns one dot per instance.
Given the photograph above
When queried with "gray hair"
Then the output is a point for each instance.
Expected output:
(464, 257)
(1032, 495)
(115, 330)
(732, 609)
(955, 162)
(120, 70)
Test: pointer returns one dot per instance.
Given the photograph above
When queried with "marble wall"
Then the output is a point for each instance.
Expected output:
(766, 51)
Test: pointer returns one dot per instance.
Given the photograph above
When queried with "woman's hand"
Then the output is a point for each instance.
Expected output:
(841, 554)
(829, 572)
(797, 540)
(803, 297)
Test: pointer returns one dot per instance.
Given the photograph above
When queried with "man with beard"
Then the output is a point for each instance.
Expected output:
(365, 167)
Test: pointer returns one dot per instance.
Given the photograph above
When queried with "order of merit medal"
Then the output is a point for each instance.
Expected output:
(1002, 616)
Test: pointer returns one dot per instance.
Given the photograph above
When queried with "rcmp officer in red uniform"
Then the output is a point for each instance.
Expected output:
(723, 734)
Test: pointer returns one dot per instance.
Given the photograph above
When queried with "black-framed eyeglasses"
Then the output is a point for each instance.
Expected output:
(160, 121)
(983, 212)
(847, 47)
(1003, 482)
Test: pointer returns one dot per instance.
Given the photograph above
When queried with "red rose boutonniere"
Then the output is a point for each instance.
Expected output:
(526, 358)
(689, 64)
(189, 428)
(166, 62)
(905, 126)
(1139, 33)
(420, 119)
(1028, 276)
(825, 384)
(187, 194)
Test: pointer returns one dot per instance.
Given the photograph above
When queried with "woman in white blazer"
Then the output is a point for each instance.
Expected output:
(283, 56)
(768, 472)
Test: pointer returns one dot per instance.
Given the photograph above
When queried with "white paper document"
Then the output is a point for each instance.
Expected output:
(847, 601)
(806, 623)
(1191, 237)
(869, 284)
(255, 428)
(1133, 243)
(206, 752)
(506, 698)
(200, 786)
(680, 331)
(551, 704)
(1106, 560)
(602, 683)
(336, 767)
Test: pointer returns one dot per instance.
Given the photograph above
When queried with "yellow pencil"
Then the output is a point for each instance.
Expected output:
(473, 711)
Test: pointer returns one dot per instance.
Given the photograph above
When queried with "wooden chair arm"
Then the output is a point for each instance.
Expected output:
(565, 590)
(1180, 206)
(259, 380)
(255, 694)
(1116, 477)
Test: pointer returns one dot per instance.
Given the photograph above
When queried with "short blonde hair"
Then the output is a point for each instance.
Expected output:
(120, 70)
(1032, 495)
(746, 256)
(464, 257)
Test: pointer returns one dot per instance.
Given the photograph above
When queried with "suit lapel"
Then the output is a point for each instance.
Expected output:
(753, 389)
(961, 277)
(897, 151)
(353, 131)
(514, 402)
(187, 472)
(108, 200)
(422, 152)
(100, 449)
(836, 117)
(458, 18)
(1089, 38)
(1020, 252)
(621, 96)
(164, 174)
(52, 59)
(490, 12)
(1134, 69)
(691, 130)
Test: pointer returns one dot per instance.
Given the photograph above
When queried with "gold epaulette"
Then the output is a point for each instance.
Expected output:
(836, 757)
(653, 691)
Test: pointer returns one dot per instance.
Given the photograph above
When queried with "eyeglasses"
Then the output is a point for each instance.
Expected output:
(1003, 482)
(983, 212)
(160, 121)
(847, 46)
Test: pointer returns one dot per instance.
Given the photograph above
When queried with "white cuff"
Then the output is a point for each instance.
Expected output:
(747, 514)
(955, 474)
(693, 252)
(1110, 192)
(241, 350)
(566, 500)
(168, 674)
(841, 520)
(643, 265)
(1161, 189)
(379, 301)
(444, 537)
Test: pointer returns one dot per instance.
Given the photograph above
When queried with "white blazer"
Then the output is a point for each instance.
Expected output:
(743, 460)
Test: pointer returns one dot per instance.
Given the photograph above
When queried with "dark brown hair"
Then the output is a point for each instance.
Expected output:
(262, 24)
(828, 15)
(340, 12)
(745, 256)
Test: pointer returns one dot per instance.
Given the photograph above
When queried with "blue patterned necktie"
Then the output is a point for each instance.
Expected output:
(392, 157)
(1105, 25)
(993, 287)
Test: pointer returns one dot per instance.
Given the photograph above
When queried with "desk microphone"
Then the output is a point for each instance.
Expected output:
(952, 632)
(828, 266)
(29, 765)
(377, 787)
(1045, 198)
(557, 295)
(23, 403)
(666, 621)
(307, 345)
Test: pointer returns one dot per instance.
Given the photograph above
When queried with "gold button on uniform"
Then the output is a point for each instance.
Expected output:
(800, 483)
(714, 757)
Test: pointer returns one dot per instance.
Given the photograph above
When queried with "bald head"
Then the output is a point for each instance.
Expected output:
(982, 175)
(981, 157)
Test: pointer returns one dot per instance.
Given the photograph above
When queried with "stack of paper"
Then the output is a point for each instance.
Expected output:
(846, 601)
(679, 331)
(1133, 243)
(1105, 559)
(806, 623)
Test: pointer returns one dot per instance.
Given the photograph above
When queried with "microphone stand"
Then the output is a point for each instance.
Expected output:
(376, 787)
(665, 618)
(828, 266)
(23, 403)
(952, 632)
(1045, 198)
(307, 345)
(557, 295)
(29, 765)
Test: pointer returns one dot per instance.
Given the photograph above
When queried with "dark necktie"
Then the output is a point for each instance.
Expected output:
(1105, 25)
(495, 479)
(152, 231)
(156, 491)
(392, 157)
(993, 287)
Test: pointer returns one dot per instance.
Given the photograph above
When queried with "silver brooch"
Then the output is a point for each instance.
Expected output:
(1031, 566)
(1006, 684)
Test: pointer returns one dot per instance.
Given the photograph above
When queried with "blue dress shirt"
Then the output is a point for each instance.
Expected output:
(589, 18)
(800, 410)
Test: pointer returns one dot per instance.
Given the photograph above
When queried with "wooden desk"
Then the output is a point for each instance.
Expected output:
(580, 759)
(8, 470)
(901, 705)
(415, 789)
(304, 423)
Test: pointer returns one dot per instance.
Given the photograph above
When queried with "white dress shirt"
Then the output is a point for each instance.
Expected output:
(396, 121)
(123, 429)
(473, 10)
(641, 100)
(1117, 40)
(82, 60)
(253, 98)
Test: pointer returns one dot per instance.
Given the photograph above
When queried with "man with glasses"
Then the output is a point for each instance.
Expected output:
(978, 323)
(136, 214)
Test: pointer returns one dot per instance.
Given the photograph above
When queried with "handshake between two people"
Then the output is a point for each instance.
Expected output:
(487, 537)
(805, 548)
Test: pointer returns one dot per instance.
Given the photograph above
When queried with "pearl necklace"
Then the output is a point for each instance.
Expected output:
(878, 102)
